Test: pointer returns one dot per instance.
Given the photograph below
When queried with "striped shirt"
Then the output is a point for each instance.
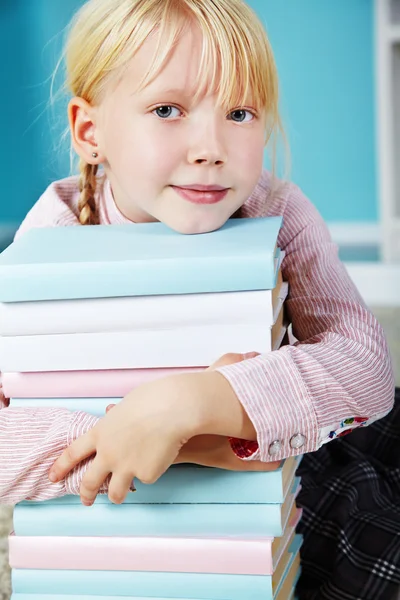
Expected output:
(336, 377)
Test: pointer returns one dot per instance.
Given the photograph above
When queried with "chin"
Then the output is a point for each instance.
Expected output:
(196, 226)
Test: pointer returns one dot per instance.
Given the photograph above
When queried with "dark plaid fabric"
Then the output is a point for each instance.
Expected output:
(351, 515)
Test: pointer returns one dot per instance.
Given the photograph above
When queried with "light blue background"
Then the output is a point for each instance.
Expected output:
(324, 51)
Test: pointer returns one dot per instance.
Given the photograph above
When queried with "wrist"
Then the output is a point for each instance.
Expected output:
(215, 408)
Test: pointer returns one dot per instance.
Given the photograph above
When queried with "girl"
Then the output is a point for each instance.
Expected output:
(175, 99)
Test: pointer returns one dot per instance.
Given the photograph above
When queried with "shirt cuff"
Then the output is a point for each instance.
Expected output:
(81, 423)
(278, 404)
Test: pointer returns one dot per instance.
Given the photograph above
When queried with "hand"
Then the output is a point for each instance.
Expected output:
(215, 450)
(141, 437)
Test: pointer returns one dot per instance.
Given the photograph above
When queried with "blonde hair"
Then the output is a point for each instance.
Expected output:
(106, 34)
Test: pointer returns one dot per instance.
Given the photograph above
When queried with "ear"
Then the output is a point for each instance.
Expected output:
(82, 122)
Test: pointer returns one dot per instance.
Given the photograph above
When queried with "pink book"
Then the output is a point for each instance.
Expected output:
(82, 384)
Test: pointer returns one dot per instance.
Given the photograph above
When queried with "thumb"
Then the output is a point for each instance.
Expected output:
(231, 358)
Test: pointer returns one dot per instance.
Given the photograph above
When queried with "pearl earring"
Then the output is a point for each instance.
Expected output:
(94, 154)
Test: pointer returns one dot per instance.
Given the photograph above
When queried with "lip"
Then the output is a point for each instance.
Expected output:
(201, 194)
(202, 188)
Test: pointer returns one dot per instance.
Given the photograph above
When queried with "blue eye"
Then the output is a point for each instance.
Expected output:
(165, 111)
(239, 116)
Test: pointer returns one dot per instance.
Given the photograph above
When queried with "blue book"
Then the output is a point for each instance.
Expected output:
(28, 596)
(138, 260)
(186, 520)
(194, 484)
(150, 584)
(93, 406)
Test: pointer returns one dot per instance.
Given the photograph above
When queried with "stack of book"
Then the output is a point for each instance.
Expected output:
(87, 314)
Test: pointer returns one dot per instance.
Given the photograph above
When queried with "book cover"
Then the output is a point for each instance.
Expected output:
(195, 484)
(189, 346)
(166, 520)
(137, 260)
(114, 383)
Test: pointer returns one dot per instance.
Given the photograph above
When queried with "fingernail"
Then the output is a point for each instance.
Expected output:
(52, 477)
(87, 502)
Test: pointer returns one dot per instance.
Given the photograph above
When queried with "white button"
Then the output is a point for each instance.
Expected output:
(297, 441)
(275, 448)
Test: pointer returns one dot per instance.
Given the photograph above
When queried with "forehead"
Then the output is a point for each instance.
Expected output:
(179, 72)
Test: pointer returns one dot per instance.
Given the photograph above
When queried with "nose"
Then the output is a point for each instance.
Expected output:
(206, 144)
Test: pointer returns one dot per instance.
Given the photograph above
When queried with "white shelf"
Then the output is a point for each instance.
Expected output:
(394, 34)
(387, 13)
(395, 56)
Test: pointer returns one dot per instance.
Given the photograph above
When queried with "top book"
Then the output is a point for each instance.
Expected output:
(141, 259)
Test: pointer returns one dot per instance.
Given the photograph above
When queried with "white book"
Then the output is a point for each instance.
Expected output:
(141, 312)
(189, 346)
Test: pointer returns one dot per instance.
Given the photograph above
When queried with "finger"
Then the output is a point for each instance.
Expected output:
(109, 407)
(80, 449)
(266, 466)
(226, 359)
(92, 481)
(120, 485)
(258, 465)
(232, 462)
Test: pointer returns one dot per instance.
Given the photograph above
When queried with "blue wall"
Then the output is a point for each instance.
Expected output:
(324, 51)
(325, 55)
(30, 45)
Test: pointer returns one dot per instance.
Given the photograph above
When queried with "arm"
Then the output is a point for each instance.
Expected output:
(339, 369)
(30, 441)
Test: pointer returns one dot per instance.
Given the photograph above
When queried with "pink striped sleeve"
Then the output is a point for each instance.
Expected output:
(338, 375)
(30, 441)
(56, 207)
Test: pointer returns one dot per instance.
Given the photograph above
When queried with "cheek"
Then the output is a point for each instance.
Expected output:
(159, 152)
(249, 154)
(145, 151)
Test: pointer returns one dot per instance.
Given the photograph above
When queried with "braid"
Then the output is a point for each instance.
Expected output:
(88, 214)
